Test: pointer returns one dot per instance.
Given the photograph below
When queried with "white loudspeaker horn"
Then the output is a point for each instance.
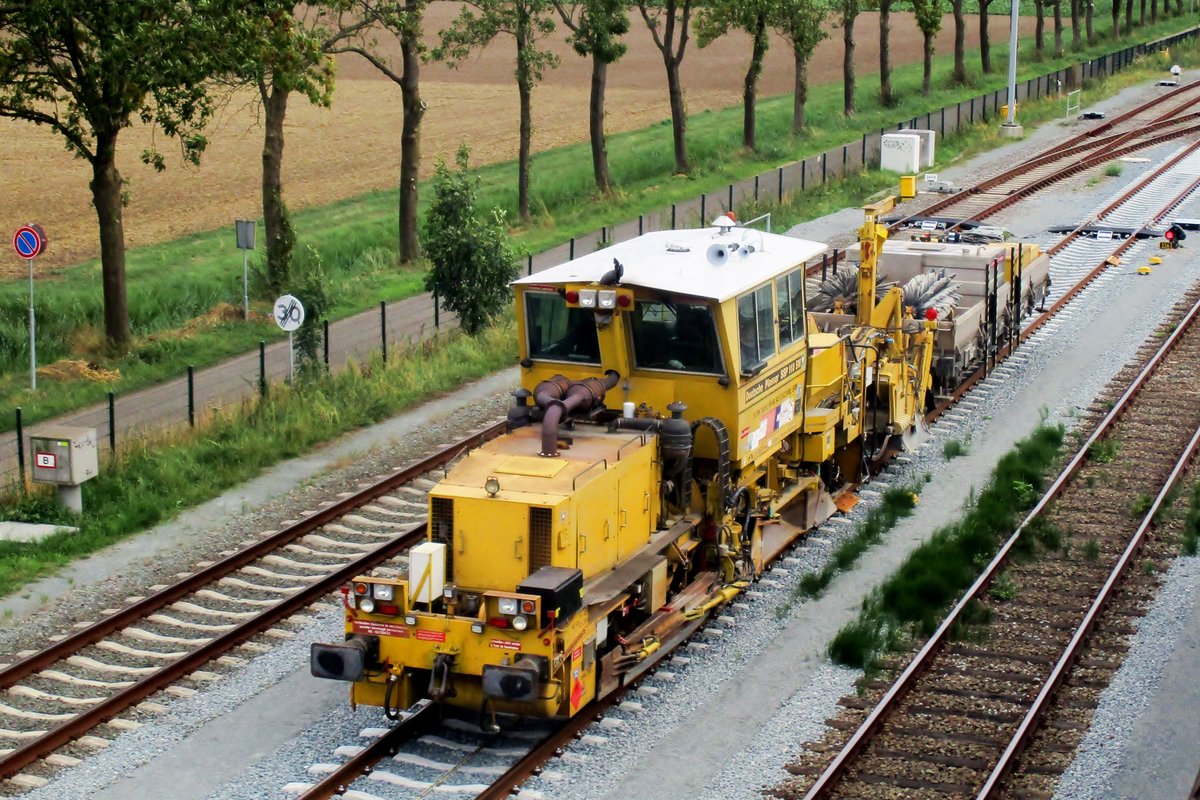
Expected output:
(717, 254)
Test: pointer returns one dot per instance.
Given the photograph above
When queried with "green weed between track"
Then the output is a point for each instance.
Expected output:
(173, 285)
(897, 503)
(913, 600)
(152, 482)
(1191, 525)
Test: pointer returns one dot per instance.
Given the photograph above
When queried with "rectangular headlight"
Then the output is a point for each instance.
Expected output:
(384, 591)
(587, 298)
(508, 605)
(607, 298)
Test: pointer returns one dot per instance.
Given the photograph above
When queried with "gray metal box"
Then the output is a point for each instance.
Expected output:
(63, 455)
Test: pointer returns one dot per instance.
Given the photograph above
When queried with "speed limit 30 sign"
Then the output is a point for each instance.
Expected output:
(289, 313)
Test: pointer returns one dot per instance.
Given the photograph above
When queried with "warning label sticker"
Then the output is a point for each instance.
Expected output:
(379, 628)
(431, 636)
(504, 644)
(576, 693)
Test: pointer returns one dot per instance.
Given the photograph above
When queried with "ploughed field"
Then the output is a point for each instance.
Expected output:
(354, 147)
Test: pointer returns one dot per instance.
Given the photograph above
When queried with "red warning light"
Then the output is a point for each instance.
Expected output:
(572, 296)
(931, 314)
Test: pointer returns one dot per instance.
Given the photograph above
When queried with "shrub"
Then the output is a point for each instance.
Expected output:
(471, 261)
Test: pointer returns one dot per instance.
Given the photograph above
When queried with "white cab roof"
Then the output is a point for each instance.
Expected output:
(679, 261)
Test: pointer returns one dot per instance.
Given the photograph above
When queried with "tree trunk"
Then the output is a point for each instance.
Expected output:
(1128, 15)
(106, 197)
(1142, 12)
(1039, 33)
(275, 98)
(410, 140)
(927, 75)
(885, 55)
(800, 93)
(596, 125)
(985, 38)
(1178, 8)
(750, 86)
(1058, 29)
(1116, 19)
(1089, 8)
(960, 36)
(525, 93)
(678, 116)
(848, 64)
(1153, 11)
(1076, 34)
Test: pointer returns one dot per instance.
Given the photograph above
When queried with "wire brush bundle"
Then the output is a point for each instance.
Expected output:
(935, 290)
(841, 289)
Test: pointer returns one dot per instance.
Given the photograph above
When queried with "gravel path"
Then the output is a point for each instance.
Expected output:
(717, 721)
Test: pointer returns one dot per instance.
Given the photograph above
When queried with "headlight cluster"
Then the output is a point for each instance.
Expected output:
(516, 612)
(372, 598)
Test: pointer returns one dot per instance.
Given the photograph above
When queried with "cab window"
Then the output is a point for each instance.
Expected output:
(756, 327)
(557, 332)
(676, 336)
(789, 298)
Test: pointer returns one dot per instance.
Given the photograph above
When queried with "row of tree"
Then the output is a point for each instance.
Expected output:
(88, 69)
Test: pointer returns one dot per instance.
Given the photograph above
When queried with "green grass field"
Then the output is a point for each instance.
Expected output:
(172, 284)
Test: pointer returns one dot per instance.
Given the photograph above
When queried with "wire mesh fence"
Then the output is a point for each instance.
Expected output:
(182, 401)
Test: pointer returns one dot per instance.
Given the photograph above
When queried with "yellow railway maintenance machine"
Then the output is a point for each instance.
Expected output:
(679, 423)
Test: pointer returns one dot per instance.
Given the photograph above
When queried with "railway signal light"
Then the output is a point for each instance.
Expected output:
(1174, 234)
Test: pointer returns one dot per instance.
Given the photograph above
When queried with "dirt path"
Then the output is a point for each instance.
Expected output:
(332, 154)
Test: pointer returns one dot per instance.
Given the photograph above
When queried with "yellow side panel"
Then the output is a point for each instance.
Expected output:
(491, 540)
(634, 501)
(596, 520)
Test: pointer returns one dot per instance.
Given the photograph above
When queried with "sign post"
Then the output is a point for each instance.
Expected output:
(244, 228)
(289, 315)
(30, 242)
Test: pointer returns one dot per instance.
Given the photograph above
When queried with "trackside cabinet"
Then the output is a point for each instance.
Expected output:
(65, 457)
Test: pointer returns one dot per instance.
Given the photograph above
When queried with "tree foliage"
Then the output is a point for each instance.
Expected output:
(527, 22)
(802, 23)
(716, 18)
(596, 29)
(928, 15)
(310, 285)
(471, 261)
(88, 69)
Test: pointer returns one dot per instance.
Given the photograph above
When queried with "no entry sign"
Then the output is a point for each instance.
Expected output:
(29, 241)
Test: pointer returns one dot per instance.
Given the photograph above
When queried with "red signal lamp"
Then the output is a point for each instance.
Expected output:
(931, 314)
(572, 296)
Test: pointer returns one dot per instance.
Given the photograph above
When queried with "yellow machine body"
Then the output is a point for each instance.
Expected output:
(682, 420)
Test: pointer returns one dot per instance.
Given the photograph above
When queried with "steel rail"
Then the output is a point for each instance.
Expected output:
(1078, 139)
(1024, 733)
(907, 680)
(412, 723)
(164, 597)
(98, 714)
(72, 729)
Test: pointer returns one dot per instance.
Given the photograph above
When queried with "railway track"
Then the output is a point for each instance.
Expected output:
(959, 716)
(92, 681)
(72, 696)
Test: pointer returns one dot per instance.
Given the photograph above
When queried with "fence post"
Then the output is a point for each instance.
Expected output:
(112, 421)
(823, 163)
(672, 216)
(835, 259)
(437, 311)
(756, 188)
(943, 124)
(843, 161)
(529, 264)
(824, 266)
(703, 208)
(641, 230)
(191, 384)
(603, 235)
(383, 328)
(571, 249)
(864, 148)
(803, 174)
(731, 197)
(325, 340)
(20, 448)
(262, 369)
(781, 186)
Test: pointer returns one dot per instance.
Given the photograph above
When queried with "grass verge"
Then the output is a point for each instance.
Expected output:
(913, 600)
(1191, 525)
(896, 503)
(175, 287)
(151, 482)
